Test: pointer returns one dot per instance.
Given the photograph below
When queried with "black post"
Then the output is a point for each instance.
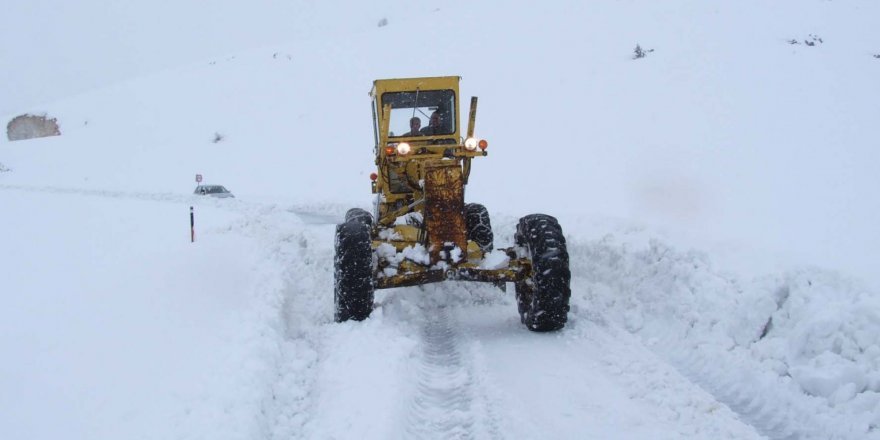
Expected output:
(192, 226)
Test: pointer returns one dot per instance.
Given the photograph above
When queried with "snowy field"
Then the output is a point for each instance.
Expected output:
(718, 197)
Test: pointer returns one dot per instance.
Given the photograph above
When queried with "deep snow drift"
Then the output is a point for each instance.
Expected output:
(717, 197)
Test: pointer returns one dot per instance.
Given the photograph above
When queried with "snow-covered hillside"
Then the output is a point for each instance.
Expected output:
(717, 196)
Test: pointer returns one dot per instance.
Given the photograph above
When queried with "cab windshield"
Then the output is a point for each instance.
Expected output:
(421, 113)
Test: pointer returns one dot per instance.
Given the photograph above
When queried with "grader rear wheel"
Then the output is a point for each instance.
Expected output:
(479, 229)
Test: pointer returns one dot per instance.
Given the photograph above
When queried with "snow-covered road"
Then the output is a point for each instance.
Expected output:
(232, 337)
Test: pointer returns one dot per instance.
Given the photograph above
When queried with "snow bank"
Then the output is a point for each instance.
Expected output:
(758, 344)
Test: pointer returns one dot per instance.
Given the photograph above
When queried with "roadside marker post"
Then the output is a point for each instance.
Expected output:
(192, 221)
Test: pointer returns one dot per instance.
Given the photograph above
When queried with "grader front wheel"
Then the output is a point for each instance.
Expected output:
(360, 215)
(543, 298)
(353, 293)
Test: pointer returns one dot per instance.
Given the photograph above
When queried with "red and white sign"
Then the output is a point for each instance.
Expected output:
(198, 178)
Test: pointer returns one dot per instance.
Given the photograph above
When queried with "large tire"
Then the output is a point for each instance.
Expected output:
(543, 298)
(353, 292)
(360, 215)
(479, 229)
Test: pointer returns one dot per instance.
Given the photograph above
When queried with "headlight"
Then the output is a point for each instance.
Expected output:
(403, 148)
(470, 144)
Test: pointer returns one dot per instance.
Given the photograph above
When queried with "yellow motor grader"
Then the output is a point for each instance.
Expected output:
(422, 231)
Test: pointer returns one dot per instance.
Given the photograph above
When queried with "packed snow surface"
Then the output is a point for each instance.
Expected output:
(718, 198)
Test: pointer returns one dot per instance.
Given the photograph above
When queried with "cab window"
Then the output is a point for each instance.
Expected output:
(422, 105)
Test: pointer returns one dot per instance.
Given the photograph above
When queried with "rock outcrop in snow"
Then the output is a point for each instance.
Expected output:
(31, 126)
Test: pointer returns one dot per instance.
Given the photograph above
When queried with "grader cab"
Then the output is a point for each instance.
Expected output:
(422, 231)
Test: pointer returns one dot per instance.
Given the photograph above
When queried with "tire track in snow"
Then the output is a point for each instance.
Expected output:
(442, 406)
(784, 418)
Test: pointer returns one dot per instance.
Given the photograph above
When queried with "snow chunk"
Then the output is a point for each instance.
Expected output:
(416, 253)
(494, 260)
(413, 218)
(386, 251)
(389, 234)
(455, 254)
